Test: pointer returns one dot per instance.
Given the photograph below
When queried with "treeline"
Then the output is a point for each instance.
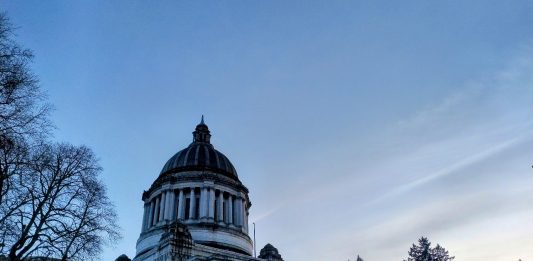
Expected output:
(424, 252)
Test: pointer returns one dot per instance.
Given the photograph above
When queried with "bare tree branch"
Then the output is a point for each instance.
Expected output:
(51, 200)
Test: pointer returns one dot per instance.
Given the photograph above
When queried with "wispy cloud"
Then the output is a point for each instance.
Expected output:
(453, 168)
(471, 136)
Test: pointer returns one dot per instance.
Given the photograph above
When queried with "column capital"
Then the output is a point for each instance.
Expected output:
(209, 183)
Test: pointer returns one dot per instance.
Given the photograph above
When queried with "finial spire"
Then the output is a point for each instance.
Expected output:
(201, 133)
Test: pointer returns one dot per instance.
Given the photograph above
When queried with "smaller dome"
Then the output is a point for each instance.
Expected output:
(270, 253)
(123, 257)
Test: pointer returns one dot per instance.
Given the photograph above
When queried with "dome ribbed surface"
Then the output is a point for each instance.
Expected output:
(200, 156)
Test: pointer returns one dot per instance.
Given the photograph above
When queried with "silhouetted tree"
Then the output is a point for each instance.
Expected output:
(23, 110)
(359, 258)
(424, 252)
(440, 254)
(123, 258)
(52, 203)
(68, 214)
(24, 124)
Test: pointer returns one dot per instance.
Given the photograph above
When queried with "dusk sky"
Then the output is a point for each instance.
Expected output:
(357, 126)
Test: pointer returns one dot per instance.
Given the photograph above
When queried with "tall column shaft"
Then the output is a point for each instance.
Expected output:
(238, 212)
(156, 211)
(162, 207)
(212, 203)
(192, 210)
(165, 210)
(203, 202)
(172, 209)
(170, 200)
(145, 216)
(169, 204)
(181, 205)
(230, 209)
(243, 213)
(245, 218)
(220, 208)
(150, 214)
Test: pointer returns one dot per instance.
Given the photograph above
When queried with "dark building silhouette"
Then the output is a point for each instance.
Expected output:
(270, 253)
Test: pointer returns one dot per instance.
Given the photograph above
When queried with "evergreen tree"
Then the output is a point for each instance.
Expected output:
(424, 252)
(440, 254)
(359, 258)
(420, 252)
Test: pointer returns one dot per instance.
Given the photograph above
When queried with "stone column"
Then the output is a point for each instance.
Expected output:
(238, 212)
(220, 207)
(212, 203)
(173, 206)
(181, 205)
(143, 224)
(230, 210)
(168, 204)
(156, 211)
(192, 210)
(203, 202)
(144, 218)
(244, 222)
(162, 206)
(246, 219)
(150, 214)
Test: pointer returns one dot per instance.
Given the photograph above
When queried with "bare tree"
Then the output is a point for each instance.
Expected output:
(94, 218)
(23, 124)
(52, 203)
(23, 108)
(68, 214)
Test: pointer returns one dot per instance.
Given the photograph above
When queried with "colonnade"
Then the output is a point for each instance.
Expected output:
(196, 204)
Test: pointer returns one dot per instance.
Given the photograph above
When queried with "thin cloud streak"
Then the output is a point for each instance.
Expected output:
(488, 131)
(451, 169)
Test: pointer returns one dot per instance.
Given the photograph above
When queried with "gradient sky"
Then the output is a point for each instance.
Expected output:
(357, 126)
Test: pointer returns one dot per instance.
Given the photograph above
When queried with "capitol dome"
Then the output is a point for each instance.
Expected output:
(200, 155)
(199, 188)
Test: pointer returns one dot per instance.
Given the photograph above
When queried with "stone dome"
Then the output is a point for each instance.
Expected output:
(123, 257)
(270, 253)
(200, 155)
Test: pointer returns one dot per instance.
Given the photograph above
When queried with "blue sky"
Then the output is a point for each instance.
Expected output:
(357, 126)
